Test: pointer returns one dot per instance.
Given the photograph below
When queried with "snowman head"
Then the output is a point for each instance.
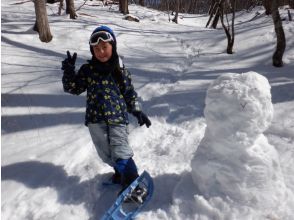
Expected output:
(238, 105)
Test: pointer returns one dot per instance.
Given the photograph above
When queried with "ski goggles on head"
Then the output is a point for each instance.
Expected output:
(101, 35)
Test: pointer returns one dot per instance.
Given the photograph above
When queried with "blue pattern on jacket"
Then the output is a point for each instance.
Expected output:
(109, 96)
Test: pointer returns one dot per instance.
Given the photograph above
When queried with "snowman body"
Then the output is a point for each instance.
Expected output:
(234, 160)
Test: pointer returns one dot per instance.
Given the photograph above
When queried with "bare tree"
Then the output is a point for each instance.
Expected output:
(215, 12)
(70, 9)
(60, 6)
(229, 29)
(291, 3)
(124, 6)
(289, 15)
(203, 6)
(177, 8)
(212, 10)
(212, 7)
(281, 40)
(268, 6)
(42, 24)
(168, 10)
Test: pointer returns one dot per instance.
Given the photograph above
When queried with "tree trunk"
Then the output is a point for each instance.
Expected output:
(291, 3)
(141, 2)
(289, 15)
(230, 35)
(60, 7)
(216, 18)
(232, 40)
(70, 9)
(42, 24)
(211, 12)
(268, 7)
(124, 6)
(175, 19)
(211, 9)
(281, 41)
(120, 5)
(168, 10)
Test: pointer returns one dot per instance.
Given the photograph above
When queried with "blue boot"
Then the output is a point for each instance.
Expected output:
(127, 170)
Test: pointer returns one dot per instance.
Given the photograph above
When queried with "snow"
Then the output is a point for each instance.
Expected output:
(191, 89)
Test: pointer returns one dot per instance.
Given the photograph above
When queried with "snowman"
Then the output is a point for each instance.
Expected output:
(234, 160)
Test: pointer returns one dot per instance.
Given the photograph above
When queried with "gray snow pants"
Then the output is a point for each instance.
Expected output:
(111, 142)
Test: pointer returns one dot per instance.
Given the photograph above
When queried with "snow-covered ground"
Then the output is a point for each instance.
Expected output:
(50, 169)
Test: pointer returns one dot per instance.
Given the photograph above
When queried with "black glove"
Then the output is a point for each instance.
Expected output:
(142, 118)
(68, 65)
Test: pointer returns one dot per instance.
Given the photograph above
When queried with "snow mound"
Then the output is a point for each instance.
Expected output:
(234, 163)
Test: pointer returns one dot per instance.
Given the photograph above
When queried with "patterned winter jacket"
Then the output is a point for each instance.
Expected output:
(109, 96)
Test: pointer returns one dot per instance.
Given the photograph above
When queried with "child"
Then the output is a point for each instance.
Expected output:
(110, 97)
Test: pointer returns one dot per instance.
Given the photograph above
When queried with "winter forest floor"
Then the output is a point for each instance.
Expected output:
(49, 167)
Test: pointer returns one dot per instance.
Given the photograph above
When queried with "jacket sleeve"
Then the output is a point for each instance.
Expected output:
(129, 92)
(75, 83)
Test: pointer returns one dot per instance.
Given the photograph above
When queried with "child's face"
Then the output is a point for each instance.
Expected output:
(103, 51)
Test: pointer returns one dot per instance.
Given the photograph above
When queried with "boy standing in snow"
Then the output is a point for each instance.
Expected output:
(110, 97)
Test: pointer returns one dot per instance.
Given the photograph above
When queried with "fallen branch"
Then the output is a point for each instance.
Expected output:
(93, 16)
(82, 5)
(19, 3)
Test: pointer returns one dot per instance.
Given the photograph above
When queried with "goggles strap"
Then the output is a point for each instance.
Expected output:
(101, 35)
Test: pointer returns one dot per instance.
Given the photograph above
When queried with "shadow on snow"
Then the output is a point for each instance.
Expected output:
(22, 122)
(70, 190)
